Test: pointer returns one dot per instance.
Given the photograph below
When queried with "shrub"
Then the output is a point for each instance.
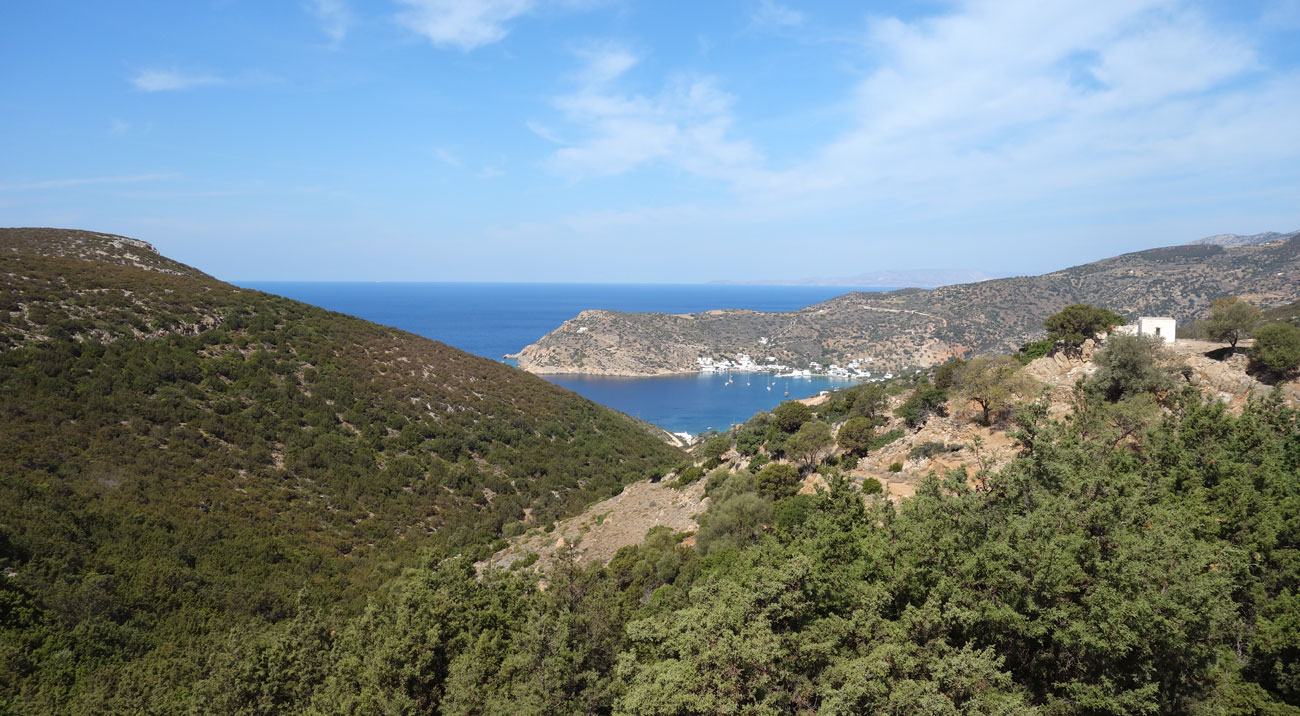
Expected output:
(895, 467)
(777, 480)
(757, 462)
(930, 449)
(1130, 365)
(1034, 350)
(690, 474)
(872, 486)
(926, 400)
(1277, 347)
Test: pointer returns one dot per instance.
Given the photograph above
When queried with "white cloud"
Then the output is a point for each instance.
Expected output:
(771, 14)
(1000, 102)
(334, 17)
(172, 80)
(463, 24)
(686, 125)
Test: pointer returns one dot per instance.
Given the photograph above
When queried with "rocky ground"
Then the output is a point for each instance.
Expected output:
(597, 534)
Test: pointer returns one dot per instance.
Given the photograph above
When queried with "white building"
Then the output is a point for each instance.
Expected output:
(1162, 327)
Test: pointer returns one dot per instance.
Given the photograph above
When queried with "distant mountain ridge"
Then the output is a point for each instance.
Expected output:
(1240, 240)
(915, 327)
(915, 278)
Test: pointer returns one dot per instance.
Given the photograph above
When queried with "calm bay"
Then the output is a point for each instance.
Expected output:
(493, 319)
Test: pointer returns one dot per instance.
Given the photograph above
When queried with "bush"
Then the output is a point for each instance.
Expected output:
(757, 462)
(1034, 350)
(690, 474)
(872, 486)
(715, 448)
(1277, 347)
(930, 449)
(716, 480)
(895, 467)
(1130, 365)
(926, 400)
(777, 480)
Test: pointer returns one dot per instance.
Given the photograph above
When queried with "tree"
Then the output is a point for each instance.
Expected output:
(991, 382)
(868, 400)
(808, 443)
(1277, 347)
(1079, 322)
(777, 480)
(1130, 365)
(1230, 319)
(855, 435)
(791, 414)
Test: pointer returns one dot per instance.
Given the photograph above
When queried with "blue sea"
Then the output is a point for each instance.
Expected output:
(493, 319)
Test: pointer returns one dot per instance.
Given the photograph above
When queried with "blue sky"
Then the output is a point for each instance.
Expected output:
(622, 141)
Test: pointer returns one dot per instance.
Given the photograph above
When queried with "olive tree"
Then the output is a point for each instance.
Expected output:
(1230, 319)
(992, 383)
(809, 442)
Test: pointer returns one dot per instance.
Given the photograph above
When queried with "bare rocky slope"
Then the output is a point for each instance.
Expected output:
(919, 328)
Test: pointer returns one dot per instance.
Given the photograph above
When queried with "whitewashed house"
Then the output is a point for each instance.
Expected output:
(1162, 327)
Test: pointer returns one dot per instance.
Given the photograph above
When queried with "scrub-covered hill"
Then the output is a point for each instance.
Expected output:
(914, 328)
(180, 457)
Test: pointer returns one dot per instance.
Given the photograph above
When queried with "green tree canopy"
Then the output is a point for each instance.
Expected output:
(1131, 365)
(1277, 347)
(1230, 319)
(791, 414)
(777, 480)
(992, 383)
(855, 435)
(811, 440)
(1079, 322)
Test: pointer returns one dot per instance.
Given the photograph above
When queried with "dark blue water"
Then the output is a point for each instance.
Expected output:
(493, 319)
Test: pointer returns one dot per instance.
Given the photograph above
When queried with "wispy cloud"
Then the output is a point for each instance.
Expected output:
(173, 80)
(334, 16)
(686, 125)
(462, 24)
(68, 183)
(999, 102)
(770, 14)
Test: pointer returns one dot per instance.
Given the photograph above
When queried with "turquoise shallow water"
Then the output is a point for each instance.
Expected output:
(493, 319)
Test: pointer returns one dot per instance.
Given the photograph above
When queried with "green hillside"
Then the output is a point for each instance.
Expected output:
(181, 457)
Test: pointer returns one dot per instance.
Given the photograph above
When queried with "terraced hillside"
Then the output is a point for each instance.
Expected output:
(918, 328)
(180, 457)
